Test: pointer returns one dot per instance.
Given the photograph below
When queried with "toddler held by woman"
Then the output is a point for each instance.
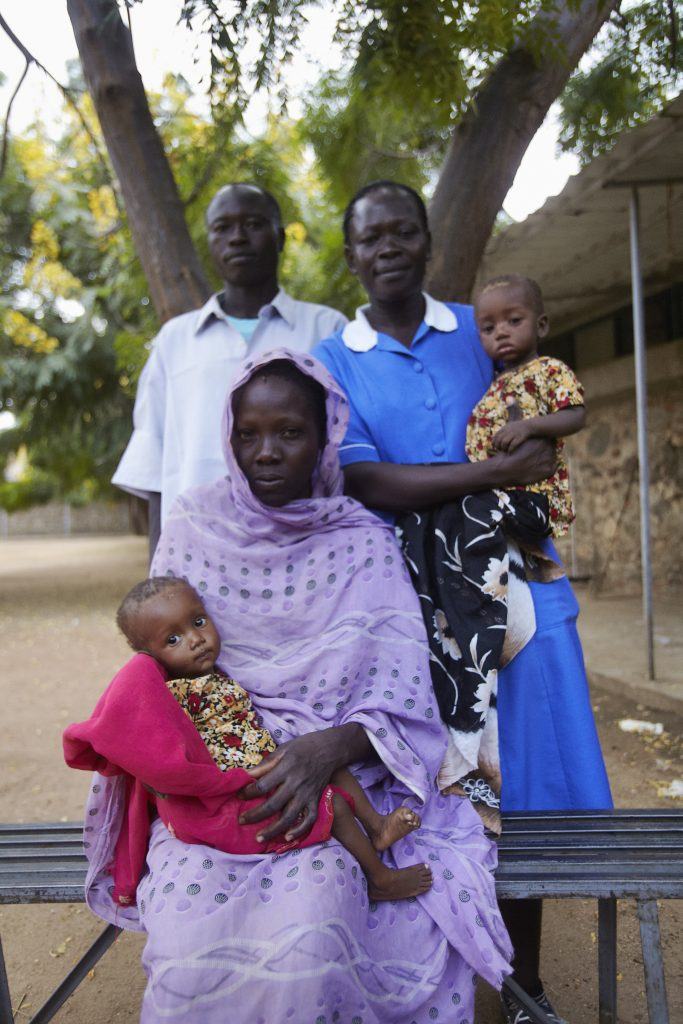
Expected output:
(512, 322)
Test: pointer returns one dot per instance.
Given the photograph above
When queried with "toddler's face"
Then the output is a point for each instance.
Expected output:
(176, 630)
(509, 327)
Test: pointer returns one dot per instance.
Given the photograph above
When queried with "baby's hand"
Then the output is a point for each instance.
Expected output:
(511, 436)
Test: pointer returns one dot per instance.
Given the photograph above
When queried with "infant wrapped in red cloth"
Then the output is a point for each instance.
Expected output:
(188, 740)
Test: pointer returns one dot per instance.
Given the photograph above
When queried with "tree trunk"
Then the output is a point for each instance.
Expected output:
(155, 213)
(490, 141)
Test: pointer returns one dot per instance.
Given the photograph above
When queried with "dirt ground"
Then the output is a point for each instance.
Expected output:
(59, 647)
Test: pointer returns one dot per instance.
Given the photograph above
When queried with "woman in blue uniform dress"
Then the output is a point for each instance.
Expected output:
(413, 369)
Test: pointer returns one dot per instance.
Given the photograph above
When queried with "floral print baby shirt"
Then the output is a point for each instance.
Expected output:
(540, 387)
(225, 719)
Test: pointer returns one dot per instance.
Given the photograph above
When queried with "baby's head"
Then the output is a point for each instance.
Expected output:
(511, 319)
(165, 618)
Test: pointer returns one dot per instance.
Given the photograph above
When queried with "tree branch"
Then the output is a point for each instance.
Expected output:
(212, 162)
(67, 93)
(5, 131)
(128, 5)
(673, 33)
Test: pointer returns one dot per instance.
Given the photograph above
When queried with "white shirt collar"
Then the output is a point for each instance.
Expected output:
(282, 305)
(359, 336)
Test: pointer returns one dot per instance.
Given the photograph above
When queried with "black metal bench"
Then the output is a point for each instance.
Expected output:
(605, 856)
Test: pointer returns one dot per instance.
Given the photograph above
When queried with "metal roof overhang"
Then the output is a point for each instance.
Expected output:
(577, 245)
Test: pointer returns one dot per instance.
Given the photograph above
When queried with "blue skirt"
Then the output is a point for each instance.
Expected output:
(549, 749)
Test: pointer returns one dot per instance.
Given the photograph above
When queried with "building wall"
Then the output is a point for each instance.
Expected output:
(605, 540)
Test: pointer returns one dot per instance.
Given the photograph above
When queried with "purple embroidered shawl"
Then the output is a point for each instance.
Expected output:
(320, 624)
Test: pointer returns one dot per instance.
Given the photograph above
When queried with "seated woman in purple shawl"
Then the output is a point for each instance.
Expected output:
(320, 624)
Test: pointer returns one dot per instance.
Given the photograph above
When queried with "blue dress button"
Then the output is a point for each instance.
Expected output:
(438, 449)
(418, 367)
(430, 403)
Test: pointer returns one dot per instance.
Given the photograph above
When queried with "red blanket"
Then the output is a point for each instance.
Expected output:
(139, 730)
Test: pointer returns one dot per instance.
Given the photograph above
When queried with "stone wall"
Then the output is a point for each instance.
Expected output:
(605, 540)
(59, 519)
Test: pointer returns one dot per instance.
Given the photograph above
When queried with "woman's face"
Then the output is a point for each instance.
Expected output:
(276, 440)
(388, 245)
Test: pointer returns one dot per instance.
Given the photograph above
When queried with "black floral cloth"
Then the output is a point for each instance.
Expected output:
(466, 565)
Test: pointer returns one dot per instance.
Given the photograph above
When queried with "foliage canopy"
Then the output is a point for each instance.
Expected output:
(75, 317)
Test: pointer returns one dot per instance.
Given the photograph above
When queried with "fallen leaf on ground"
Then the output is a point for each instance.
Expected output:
(60, 950)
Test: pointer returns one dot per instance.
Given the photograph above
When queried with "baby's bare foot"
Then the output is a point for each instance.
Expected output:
(400, 884)
(395, 826)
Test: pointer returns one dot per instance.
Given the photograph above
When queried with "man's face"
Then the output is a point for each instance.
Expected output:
(244, 239)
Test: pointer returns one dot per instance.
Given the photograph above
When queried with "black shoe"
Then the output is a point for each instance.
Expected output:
(515, 1013)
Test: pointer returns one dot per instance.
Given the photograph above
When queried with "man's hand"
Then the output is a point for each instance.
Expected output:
(154, 522)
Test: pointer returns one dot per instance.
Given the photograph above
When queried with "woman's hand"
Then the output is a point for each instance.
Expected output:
(296, 774)
(534, 460)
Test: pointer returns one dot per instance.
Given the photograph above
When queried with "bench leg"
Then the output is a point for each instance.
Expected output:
(6, 1016)
(607, 961)
(76, 976)
(653, 962)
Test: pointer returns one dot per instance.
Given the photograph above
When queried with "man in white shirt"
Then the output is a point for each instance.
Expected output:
(176, 440)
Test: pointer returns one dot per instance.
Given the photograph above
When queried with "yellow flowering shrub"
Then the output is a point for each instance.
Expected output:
(103, 207)
(38, 163)
(44, 241)
(44, 273)
(26, 334)
(295, 232)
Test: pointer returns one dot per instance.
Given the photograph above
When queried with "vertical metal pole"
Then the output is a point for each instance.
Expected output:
(641, 409)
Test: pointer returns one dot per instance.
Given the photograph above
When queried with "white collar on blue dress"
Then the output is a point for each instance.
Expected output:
(359, 336)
